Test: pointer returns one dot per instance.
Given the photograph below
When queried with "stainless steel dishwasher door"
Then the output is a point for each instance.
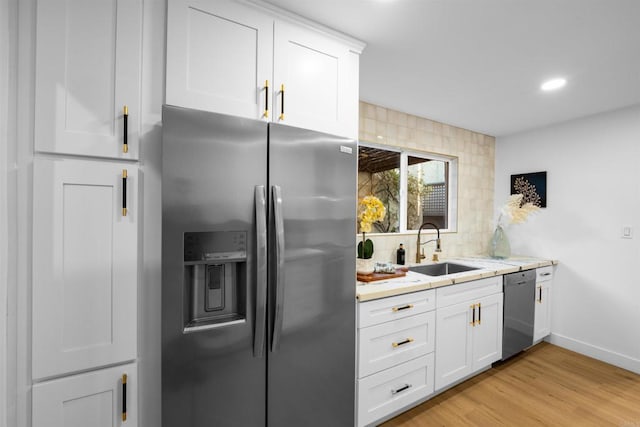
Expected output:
(519, 312)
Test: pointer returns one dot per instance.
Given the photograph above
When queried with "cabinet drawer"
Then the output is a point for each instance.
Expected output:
(544, 274)
(393, 308)
(391, 343)
(385, 392)
(454, 294)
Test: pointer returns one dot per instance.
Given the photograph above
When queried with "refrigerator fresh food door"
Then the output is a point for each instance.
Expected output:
(311, 370)
(213, 269)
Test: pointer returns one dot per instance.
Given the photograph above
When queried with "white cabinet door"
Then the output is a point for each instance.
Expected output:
(320, 78)
(219, 56)
(93, 399)
(542, 322)
(487, 333)
(454, 340)
(88, 56)
(84, 265)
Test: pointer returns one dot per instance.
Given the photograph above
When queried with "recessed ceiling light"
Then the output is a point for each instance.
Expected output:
(553, 84)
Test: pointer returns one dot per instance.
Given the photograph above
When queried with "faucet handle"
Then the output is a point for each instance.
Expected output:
(434, 258)
(422, 256)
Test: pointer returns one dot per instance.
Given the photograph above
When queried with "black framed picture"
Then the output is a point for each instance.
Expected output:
(533, 187)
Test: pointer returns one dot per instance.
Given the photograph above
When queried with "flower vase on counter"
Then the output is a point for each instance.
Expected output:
(515, 211)
(370, 210)
(499, 246)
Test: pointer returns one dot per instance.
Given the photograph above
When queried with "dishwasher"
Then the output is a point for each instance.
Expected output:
(519, 311)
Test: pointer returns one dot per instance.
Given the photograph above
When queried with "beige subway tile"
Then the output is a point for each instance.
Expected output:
(370, 111)
(370, 126)
(381, 114)
(412, 121)
(402, 119)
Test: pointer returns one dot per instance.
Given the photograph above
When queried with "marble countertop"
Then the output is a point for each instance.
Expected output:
(412, 282)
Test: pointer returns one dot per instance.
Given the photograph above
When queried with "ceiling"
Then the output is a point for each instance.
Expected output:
(478, 64)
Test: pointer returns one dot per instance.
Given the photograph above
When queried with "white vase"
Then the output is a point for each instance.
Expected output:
(364, 266)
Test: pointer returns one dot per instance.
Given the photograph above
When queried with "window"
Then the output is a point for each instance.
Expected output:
(414, 187)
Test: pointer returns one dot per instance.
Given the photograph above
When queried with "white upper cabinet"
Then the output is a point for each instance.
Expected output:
(320, 80)
(84, 265)
(218, 57)
(235, 59)
(88, 56)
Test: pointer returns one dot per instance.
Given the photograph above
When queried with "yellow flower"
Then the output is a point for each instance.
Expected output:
(370, 210)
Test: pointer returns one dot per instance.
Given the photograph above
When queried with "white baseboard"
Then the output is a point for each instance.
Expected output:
(608, 356)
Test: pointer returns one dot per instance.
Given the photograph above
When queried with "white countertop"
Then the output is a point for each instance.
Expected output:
(412, 282)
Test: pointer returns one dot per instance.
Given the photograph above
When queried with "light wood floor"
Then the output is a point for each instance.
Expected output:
(545, 386)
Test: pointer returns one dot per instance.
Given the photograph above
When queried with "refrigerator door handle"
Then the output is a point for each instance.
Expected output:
(279, 270)
(261, 270)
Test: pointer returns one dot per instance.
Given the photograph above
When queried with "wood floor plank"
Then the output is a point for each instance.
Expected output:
(544, 386)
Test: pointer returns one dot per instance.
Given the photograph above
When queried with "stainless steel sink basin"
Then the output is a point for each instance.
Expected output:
(441, 269)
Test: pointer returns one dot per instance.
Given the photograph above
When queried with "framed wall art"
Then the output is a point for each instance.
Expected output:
(533, 187)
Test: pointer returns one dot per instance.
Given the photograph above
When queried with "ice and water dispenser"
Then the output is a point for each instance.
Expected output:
(214, 279)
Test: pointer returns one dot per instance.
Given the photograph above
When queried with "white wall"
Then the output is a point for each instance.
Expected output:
(593, 190)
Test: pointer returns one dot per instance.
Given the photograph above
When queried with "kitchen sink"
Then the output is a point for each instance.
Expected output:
(441, 269)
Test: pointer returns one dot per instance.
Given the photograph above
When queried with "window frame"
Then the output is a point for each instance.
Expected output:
(451, 179)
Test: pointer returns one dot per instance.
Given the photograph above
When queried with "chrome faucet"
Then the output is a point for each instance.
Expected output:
(420, 256)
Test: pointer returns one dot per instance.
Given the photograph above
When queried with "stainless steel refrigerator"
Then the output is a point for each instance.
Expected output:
(258, 268)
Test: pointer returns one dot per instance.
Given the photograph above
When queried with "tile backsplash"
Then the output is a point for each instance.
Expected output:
(476, 166)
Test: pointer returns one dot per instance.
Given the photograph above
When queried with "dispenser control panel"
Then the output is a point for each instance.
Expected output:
(222, 246)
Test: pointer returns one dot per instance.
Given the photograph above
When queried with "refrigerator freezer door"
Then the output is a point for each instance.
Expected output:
(213, 373)
(311, 371)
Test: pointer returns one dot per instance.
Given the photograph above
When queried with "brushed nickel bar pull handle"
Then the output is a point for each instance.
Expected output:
(479, 313)
(266, 99)
(124, 397)
(404, 307)
(401, 389)
(398, 344)
(279, 270)
(124, 192)
(546, 274)
(281, 103)
(473, 321)
(261, 270)
(125, 125)
(540, 293)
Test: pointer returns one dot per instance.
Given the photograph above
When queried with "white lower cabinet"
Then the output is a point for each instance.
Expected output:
(396, 339)
(386, 345)
(392, 389)
(103, 398)
(468, 333)
(542, 322)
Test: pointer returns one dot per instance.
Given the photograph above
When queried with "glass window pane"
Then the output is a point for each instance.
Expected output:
(379, 175)
(427, 192)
